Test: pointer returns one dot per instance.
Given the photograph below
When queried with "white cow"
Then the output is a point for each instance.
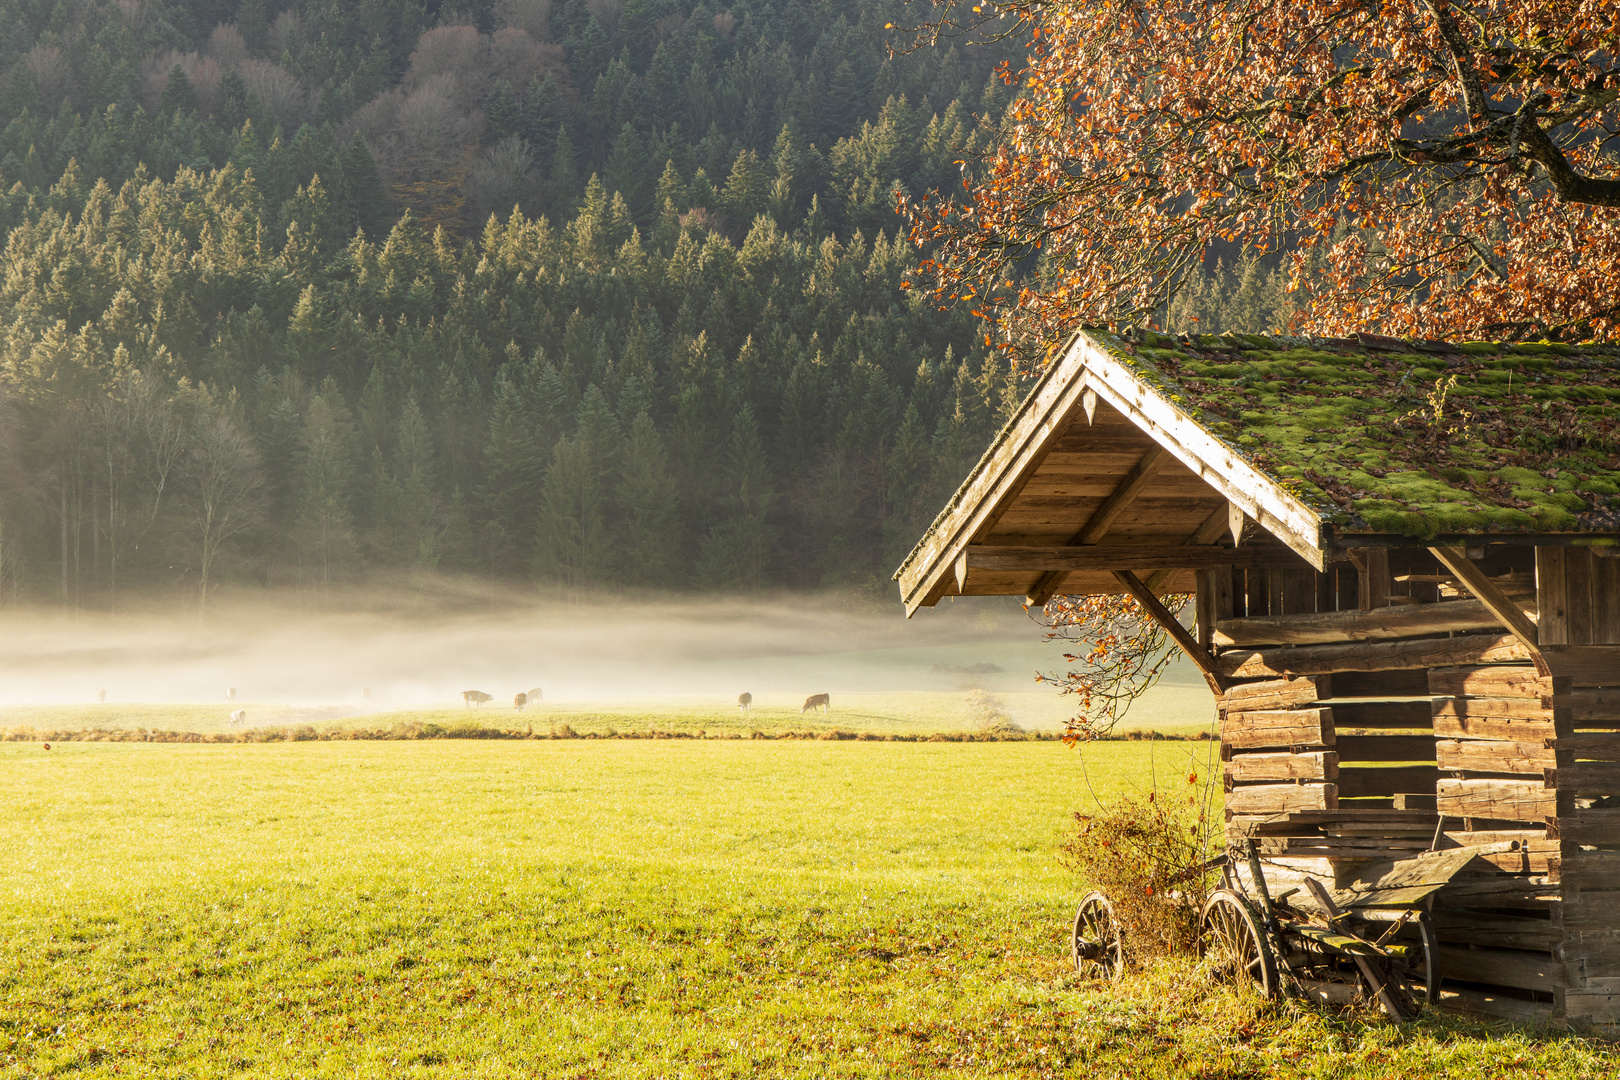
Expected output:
(475, 697)
(230, 694)
(238, 717)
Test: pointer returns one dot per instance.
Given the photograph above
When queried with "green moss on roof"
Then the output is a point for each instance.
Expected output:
(1415, 438)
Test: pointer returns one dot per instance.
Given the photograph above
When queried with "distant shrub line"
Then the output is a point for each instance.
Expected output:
(412, 731)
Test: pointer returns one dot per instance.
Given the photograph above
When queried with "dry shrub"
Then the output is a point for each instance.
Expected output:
(1147, 855)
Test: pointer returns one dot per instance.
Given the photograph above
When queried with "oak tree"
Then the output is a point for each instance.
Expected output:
(1431, 168)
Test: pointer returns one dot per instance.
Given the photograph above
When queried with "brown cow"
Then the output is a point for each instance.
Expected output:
(817, 701)
(475, 697)
(519, 701)
(745, 701)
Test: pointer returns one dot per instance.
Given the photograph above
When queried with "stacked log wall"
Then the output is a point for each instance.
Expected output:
(1351, 714)
(1579, 597)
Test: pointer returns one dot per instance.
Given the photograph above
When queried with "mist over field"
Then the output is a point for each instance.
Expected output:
(414, 651)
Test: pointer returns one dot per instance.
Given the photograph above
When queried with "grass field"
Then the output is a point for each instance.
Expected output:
(608, 909)
(1173, 708)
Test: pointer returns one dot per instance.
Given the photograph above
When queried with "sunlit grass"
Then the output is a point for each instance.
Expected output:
(657, 909)
(1171, 708)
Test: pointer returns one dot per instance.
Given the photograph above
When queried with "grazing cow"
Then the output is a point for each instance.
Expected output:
(534, 696)
(101, 695)
(745, 702)
(238, 717)
(817, 701)
(519, 701)
(474, 697)
(230, 694)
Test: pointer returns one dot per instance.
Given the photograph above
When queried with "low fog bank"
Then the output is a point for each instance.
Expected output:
(379, 650)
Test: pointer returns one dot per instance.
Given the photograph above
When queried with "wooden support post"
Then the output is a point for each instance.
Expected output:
(1372, 565)
(1484, 589)
(1552, 597)
(1256, 588)
(1578, 572)
(1178, 633)
(1102, 519)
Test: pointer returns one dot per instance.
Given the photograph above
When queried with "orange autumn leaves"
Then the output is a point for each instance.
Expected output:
(1432, 169)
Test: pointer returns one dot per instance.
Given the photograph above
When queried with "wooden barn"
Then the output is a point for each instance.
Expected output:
(1406, 561)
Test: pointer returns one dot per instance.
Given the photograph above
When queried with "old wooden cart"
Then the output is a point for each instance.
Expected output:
(1375, 938)
(1412, 636)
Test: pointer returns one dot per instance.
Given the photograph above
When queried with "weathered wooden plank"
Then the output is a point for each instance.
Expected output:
(1596, 870)
(1008, 559)
(1498, 1006)
(1591, 745)
(1371, 780)
(1277, 728)
(1341, 847)
(1354, 748)
(1506, 931)
(1579, 572)
(1506, 800)
(1588, 665)
(1276, 693)
(1552, 596)
(1589, 909)
(1497, 680)
(1273, 798)
(1378, 656)
(1594, 1007)
(1591, 707)
(1495, 708)
(1307, 765)
(1517, 968)
(1587, 778)
(1401, 620)
(1381, 714)
(1500, 891)
(1449, 725)
(1492, 756)
(1590, 827)
(1606, 601)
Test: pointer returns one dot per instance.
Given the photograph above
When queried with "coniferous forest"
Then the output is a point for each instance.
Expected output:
(594, 292)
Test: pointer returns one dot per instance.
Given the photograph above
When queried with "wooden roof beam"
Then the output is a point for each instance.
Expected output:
(1207, 533)
(1172, 626)
(1132, 484)
(999, 558)
(1487, 592)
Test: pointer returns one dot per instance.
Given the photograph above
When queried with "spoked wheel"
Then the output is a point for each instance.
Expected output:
(1229, 936)
(1097, 945)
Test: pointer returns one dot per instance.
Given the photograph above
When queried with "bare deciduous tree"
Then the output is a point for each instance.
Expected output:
(223, 494)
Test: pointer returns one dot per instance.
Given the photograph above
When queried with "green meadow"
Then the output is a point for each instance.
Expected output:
(673, 908)
(1173, 708)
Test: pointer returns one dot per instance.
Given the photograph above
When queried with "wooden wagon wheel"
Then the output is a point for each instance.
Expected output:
(1097, 944)
(1421, 964)
(1229, 937)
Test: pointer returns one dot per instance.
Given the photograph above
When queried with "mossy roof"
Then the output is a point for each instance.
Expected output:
(1411, 438)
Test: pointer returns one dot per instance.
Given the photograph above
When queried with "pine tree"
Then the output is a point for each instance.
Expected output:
(178, 95)
(646, 496)
(564, 175)
(736, 551)
(325, 463)
(514, 471)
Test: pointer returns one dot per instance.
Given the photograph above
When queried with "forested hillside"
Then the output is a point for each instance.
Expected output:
(602, 293)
